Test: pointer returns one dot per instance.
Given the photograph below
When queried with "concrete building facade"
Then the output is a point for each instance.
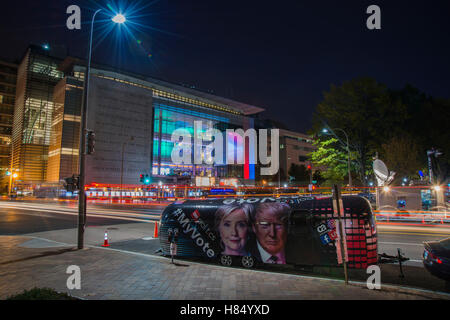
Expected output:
(294, 149)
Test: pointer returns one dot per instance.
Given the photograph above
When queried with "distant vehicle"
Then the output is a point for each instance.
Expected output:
(369, 196)
(436, 259)
(221, 191)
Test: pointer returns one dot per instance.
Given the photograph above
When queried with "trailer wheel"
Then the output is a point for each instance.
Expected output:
(248, 262)
(226, 260)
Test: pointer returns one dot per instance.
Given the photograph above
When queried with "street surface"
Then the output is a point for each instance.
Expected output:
(29, 217)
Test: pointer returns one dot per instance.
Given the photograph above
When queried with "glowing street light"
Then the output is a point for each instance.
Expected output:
(119, 18)
(12, 175)
(437, 188)
(386, 189)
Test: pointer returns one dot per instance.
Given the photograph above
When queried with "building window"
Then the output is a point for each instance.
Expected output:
(302, 158)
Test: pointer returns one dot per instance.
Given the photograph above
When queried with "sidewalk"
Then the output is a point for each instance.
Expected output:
(28, 262)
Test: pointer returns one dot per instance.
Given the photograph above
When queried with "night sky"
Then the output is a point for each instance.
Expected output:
(279, 55)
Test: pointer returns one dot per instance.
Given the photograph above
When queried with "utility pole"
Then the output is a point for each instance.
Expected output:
(339, 211)
(435, 153)
(83, 133)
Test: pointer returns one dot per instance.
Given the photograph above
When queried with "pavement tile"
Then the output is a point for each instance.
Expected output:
(109, 274)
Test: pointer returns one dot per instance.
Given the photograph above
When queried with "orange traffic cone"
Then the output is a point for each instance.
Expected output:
(155, 233)
(105, 242)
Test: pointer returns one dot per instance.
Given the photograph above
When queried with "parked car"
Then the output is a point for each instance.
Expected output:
(436, 258)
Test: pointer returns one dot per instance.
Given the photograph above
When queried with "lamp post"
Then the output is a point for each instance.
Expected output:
(121, 168)
(12, 175)
(119, 18)
(325, 130)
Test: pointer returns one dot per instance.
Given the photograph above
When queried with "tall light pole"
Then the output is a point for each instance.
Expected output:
(121, 168)
(119, 18)
(325, 130)
(12, 175)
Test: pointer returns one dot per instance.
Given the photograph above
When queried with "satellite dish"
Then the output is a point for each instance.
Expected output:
(382, 173)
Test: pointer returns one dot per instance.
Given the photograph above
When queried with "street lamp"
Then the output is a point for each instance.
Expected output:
(121, 169)
(12, 175)
(118, 18)
(325, 131)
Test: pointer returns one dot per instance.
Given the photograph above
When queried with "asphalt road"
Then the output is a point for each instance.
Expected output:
(19, 217)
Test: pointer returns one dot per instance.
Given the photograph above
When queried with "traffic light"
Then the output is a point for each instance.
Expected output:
(308, 167)
(72, 183)
(145, 179)
(90, 142)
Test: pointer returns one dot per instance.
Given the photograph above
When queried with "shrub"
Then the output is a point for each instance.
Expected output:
(41, 294)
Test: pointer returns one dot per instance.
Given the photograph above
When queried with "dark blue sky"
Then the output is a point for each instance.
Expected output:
(280, 55)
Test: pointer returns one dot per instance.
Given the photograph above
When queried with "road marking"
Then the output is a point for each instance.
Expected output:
(90, 214)
(402, 243)
(416, 234)
(112, 214)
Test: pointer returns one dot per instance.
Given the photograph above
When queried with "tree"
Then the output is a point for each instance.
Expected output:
(317, 176)
(426, 123)
(401, 154)
(299, 173)
(365, 110)
(329, 155)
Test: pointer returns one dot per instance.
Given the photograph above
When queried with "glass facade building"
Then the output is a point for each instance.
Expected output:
(36, 79)
(170, 115)
(8, 79)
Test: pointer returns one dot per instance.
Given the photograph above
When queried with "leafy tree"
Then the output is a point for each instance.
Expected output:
(401, 154)
(329, 155)
(317, 176)
(426, 123)
(299, 173)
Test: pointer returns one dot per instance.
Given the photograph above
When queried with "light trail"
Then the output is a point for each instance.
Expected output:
(101, 213)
